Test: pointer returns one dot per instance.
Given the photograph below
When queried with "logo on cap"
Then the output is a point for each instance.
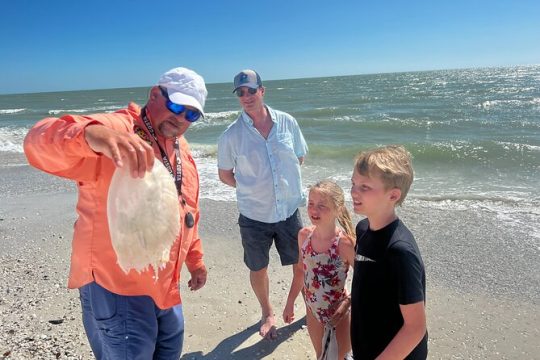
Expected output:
(247, 78)
(243, 78)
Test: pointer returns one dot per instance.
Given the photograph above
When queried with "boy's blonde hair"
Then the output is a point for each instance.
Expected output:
(392, 164)
(333, 192)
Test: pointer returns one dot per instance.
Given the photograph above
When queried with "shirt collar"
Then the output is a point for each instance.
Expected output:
(249, 121)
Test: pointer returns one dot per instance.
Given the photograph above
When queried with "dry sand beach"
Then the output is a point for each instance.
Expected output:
(483, 277)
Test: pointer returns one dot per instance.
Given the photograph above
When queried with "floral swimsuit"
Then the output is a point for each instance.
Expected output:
(324, 278)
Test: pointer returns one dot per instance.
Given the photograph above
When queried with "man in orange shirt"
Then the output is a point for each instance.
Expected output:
(133, 315)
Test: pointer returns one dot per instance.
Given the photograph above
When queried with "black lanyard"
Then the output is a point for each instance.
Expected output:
(189, 220)
(178, 177)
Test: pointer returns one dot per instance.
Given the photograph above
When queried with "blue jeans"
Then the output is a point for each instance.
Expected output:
(130, 327)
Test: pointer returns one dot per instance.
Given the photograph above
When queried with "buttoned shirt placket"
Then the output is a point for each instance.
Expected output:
(271, 148)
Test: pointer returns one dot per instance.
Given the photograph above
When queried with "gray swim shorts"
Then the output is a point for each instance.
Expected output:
(257, 238)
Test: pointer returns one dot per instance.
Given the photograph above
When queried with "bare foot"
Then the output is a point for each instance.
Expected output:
(268, 328)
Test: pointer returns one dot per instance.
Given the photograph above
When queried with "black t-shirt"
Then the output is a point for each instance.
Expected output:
(388, 271)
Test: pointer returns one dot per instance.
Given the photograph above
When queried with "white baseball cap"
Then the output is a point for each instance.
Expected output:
(185, 87)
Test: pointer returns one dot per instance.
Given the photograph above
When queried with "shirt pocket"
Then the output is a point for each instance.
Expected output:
(285, 139)
(285, 145)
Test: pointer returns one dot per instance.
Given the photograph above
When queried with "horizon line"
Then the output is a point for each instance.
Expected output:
(299, 78)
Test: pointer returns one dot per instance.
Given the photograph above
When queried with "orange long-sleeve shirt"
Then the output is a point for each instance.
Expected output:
(57, 146)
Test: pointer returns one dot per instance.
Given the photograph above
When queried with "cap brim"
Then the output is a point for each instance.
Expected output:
(249, 85)
(183, 99)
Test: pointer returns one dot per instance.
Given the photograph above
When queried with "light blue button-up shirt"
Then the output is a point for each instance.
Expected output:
(267, 171)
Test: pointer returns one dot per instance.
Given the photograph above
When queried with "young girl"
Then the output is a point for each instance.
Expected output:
(326, 252)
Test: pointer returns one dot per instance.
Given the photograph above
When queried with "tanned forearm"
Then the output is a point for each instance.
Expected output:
(227, 177)
(410, 334)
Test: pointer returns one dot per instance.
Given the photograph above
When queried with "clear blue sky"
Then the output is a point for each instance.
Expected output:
(77, 44)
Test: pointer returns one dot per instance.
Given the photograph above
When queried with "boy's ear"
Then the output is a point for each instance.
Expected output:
(395, 194)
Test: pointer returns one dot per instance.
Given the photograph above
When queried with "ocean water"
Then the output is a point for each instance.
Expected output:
(474, 134)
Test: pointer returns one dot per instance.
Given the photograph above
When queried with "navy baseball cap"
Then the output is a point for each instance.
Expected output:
(248, 78)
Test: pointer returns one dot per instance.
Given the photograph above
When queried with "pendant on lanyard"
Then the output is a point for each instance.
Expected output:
(188, 219)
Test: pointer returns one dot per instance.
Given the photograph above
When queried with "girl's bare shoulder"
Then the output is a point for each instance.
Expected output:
(347, 241)
(304, 232)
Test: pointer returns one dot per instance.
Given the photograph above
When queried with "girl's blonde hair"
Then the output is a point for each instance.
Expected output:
(333, 192)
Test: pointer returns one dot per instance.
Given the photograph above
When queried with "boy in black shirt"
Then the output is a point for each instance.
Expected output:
(388, 318)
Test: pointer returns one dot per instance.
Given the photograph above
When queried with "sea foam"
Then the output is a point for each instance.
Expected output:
(109, 108)
(11, 111)
(11, 139)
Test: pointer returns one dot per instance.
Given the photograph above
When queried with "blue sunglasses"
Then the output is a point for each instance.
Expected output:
(177, 109)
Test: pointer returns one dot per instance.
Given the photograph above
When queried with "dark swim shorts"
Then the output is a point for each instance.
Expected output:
(257, 238)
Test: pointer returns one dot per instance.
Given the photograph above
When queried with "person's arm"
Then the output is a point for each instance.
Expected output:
(195, 265)
(346, 252)
(298, 280)
(58, 147)
(410, 334)
(409, 271)
(227, 177)
(194, 260)
(121, 147)
(198, 278)
(65, 147)
(226, 159)
(300, 145)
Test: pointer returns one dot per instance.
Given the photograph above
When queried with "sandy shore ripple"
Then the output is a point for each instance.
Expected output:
(483, 276)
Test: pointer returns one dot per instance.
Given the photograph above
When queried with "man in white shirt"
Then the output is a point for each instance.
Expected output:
(260, 155)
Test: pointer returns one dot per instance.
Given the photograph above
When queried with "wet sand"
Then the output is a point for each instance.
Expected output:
(483, 276)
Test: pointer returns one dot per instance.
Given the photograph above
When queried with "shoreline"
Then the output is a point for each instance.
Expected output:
(483, 296)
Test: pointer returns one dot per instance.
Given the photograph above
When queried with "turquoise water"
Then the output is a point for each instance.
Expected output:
(474, 134)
